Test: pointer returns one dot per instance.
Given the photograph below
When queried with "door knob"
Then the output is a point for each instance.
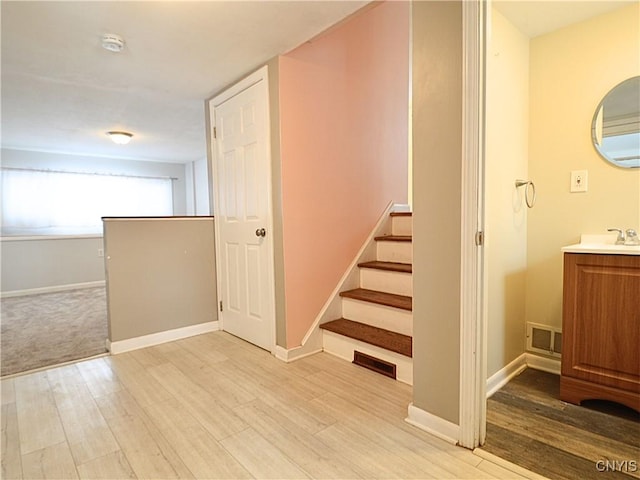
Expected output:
(261, 232)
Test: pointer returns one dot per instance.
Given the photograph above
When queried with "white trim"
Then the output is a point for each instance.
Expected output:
(546, 364)
(332, 308)
(503, 376)
(52, 289)
(517, 366)
(473, 369)
(27, 238)
(512, 467)
(439, 427)
(175, 218)
(261, 75)
(152, 339)
(294, 354)
(249, 81)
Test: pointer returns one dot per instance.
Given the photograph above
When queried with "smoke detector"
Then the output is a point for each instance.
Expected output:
(112, 42)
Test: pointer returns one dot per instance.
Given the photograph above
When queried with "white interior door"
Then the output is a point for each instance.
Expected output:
(242, 177)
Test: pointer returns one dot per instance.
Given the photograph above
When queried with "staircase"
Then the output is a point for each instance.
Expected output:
(376, 327)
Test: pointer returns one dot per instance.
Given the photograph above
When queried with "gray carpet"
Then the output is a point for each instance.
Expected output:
(51, 328)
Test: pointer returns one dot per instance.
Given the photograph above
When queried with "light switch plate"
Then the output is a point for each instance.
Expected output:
(579, 180)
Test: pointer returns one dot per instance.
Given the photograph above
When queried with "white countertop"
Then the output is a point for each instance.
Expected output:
(603, 244)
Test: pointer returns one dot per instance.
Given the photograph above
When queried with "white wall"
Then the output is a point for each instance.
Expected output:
(197, 188)
(42, 263)
(505, 211)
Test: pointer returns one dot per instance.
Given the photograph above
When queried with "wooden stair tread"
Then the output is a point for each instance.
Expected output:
(392, 341)
(382, 298)
(401, 214)
(388, 266)
(394, 238)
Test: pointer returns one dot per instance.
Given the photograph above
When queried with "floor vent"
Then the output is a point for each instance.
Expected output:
(385, 368)
(544, 339)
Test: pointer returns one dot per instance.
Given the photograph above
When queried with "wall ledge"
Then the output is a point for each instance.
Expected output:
(122, 346)
(52, 289)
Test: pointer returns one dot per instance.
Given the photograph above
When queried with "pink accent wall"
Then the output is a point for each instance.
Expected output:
(344, 144)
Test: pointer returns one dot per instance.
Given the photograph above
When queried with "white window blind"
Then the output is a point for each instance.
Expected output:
(36, 202)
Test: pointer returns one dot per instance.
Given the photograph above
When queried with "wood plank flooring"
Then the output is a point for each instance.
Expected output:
(528, 425)
(213, 406)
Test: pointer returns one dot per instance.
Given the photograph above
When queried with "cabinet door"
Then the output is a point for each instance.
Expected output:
(601, 319)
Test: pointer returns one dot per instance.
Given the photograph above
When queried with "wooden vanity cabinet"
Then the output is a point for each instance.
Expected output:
(601, 329)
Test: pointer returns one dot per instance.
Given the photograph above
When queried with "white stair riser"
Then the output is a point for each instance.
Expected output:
(381, 316)
(401, 226)
(343, 347)
(401, 252)
(386, 281)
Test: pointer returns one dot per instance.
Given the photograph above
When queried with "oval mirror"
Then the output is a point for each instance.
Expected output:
(615, 130)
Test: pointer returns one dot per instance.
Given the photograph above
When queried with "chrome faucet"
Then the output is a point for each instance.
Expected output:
(620, 240)
(632, 237)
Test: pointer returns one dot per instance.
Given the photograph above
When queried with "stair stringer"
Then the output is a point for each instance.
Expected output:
(332, 309)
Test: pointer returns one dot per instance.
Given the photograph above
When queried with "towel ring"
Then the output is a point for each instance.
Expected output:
(528, 183)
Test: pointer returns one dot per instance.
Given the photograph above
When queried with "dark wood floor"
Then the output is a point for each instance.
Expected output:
(528, 425)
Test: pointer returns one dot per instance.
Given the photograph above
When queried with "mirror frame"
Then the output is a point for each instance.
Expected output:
(597, 125)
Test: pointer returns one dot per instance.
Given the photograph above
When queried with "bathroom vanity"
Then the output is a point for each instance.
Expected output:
(601, 324)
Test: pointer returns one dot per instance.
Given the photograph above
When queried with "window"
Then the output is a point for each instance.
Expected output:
(36, 202)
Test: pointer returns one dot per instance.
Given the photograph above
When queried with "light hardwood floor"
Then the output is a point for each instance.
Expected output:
(213, 406)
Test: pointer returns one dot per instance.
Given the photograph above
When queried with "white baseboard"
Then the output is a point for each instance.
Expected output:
(312, 346)
(293, 354)
(499, 379)
(527, 360)
(52, 289)
(436, 426)
(152, 339)
(546, 364)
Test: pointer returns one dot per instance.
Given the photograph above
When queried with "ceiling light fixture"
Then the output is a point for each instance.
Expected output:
(112, 42)
(121, 138)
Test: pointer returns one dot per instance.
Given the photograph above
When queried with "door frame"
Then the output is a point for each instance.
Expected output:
(473, 315)
(260, 76)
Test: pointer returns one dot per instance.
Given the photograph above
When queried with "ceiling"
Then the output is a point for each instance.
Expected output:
(537, 17)
(61, 91)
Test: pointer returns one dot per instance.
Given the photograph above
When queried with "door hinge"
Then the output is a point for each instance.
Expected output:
(220, 305)
(479, 238)
(215, 132)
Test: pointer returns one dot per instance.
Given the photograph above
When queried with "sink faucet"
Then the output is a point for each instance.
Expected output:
(632, 237)
(620, 240)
